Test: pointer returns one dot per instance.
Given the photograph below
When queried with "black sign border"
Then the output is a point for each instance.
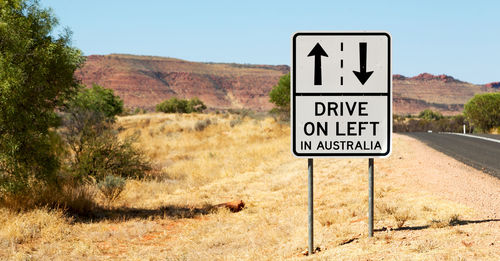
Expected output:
(388, 94)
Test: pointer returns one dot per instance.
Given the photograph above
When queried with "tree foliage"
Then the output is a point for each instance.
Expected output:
(96, 150)
(483, 110)
(175, 105)
(99, 100)
(280, 93)
(36, 77)
(430, 115)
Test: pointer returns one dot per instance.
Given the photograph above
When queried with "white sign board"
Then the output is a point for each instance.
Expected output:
(341, 86)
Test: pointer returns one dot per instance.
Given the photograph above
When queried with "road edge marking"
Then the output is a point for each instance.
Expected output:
(472, 136)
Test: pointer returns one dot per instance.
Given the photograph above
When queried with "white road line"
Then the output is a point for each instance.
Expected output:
(473, 136)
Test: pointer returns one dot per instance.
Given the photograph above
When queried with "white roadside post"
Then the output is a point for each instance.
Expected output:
(341, 101)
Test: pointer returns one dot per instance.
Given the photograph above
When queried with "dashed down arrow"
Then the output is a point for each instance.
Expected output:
(317, 52)
(362, 75)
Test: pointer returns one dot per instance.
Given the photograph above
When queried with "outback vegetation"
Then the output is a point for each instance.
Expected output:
(481, 114)
(483, 111)
(77, 181)
(429, 120)
(172, 213)
(57, 140)
(280, 97)
(36, 78)
(175, 105)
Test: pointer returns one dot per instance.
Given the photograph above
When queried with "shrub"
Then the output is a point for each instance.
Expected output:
(138, 110)
(195, 105)
(111, 187)
(105, 154)
(202, 124)
(236, 121)
(280, 93)
(483, 110)
(99, 100)
(445, 123)
(96, 150)
(175, 105)
(429, 114)
(280, 96)
(401, 217)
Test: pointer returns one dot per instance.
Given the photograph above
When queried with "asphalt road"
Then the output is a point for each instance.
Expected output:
(478, 153)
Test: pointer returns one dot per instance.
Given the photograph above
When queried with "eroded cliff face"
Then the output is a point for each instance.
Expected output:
(144, 81)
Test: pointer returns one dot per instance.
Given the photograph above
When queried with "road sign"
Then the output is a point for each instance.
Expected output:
(341, 94)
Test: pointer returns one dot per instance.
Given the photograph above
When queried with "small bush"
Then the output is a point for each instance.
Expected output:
(436, 223)
(280, 115)
(100, 155)
(111, 187)
(235, 122)
(202, 124)
(386, 209)
(195, 105)
(403, 123)
(280, 93)
(429, 114)
(138, 110)
(175, 105)
(95, 149)
(452, 220)
(401, 218)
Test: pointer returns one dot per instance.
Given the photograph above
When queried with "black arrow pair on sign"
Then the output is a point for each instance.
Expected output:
(362, 75)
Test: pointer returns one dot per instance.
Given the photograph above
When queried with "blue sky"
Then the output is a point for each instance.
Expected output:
(458, 38)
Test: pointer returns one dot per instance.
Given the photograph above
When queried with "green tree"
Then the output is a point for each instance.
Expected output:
(195, 105)
(98, 99)
(175, 105)
(36, 77)
(96, 150)
(483, 110)
(430, 115)
(280, 93)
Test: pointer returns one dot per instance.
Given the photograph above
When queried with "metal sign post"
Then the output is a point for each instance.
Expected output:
(370, 197)
(310, 206)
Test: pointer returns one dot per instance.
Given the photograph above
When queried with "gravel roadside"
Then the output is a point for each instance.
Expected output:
(433, 171)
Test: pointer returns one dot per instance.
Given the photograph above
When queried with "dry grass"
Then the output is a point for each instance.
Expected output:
(168, 216)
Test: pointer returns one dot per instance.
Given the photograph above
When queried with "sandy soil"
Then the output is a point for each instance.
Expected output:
(446, 177)
(425, 169)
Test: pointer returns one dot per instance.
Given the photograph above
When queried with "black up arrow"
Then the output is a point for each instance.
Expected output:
(362, 75)
(317, 52)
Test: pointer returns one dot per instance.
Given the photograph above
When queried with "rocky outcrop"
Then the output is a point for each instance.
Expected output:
(431, 77)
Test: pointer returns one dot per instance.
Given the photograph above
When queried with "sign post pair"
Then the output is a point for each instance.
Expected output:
(341, 92)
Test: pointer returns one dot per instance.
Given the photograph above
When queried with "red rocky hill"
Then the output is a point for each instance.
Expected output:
(438, 92)
(144, 81)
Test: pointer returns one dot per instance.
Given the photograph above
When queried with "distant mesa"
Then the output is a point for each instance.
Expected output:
(144, 81)
(429, 77)
(426, 77)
